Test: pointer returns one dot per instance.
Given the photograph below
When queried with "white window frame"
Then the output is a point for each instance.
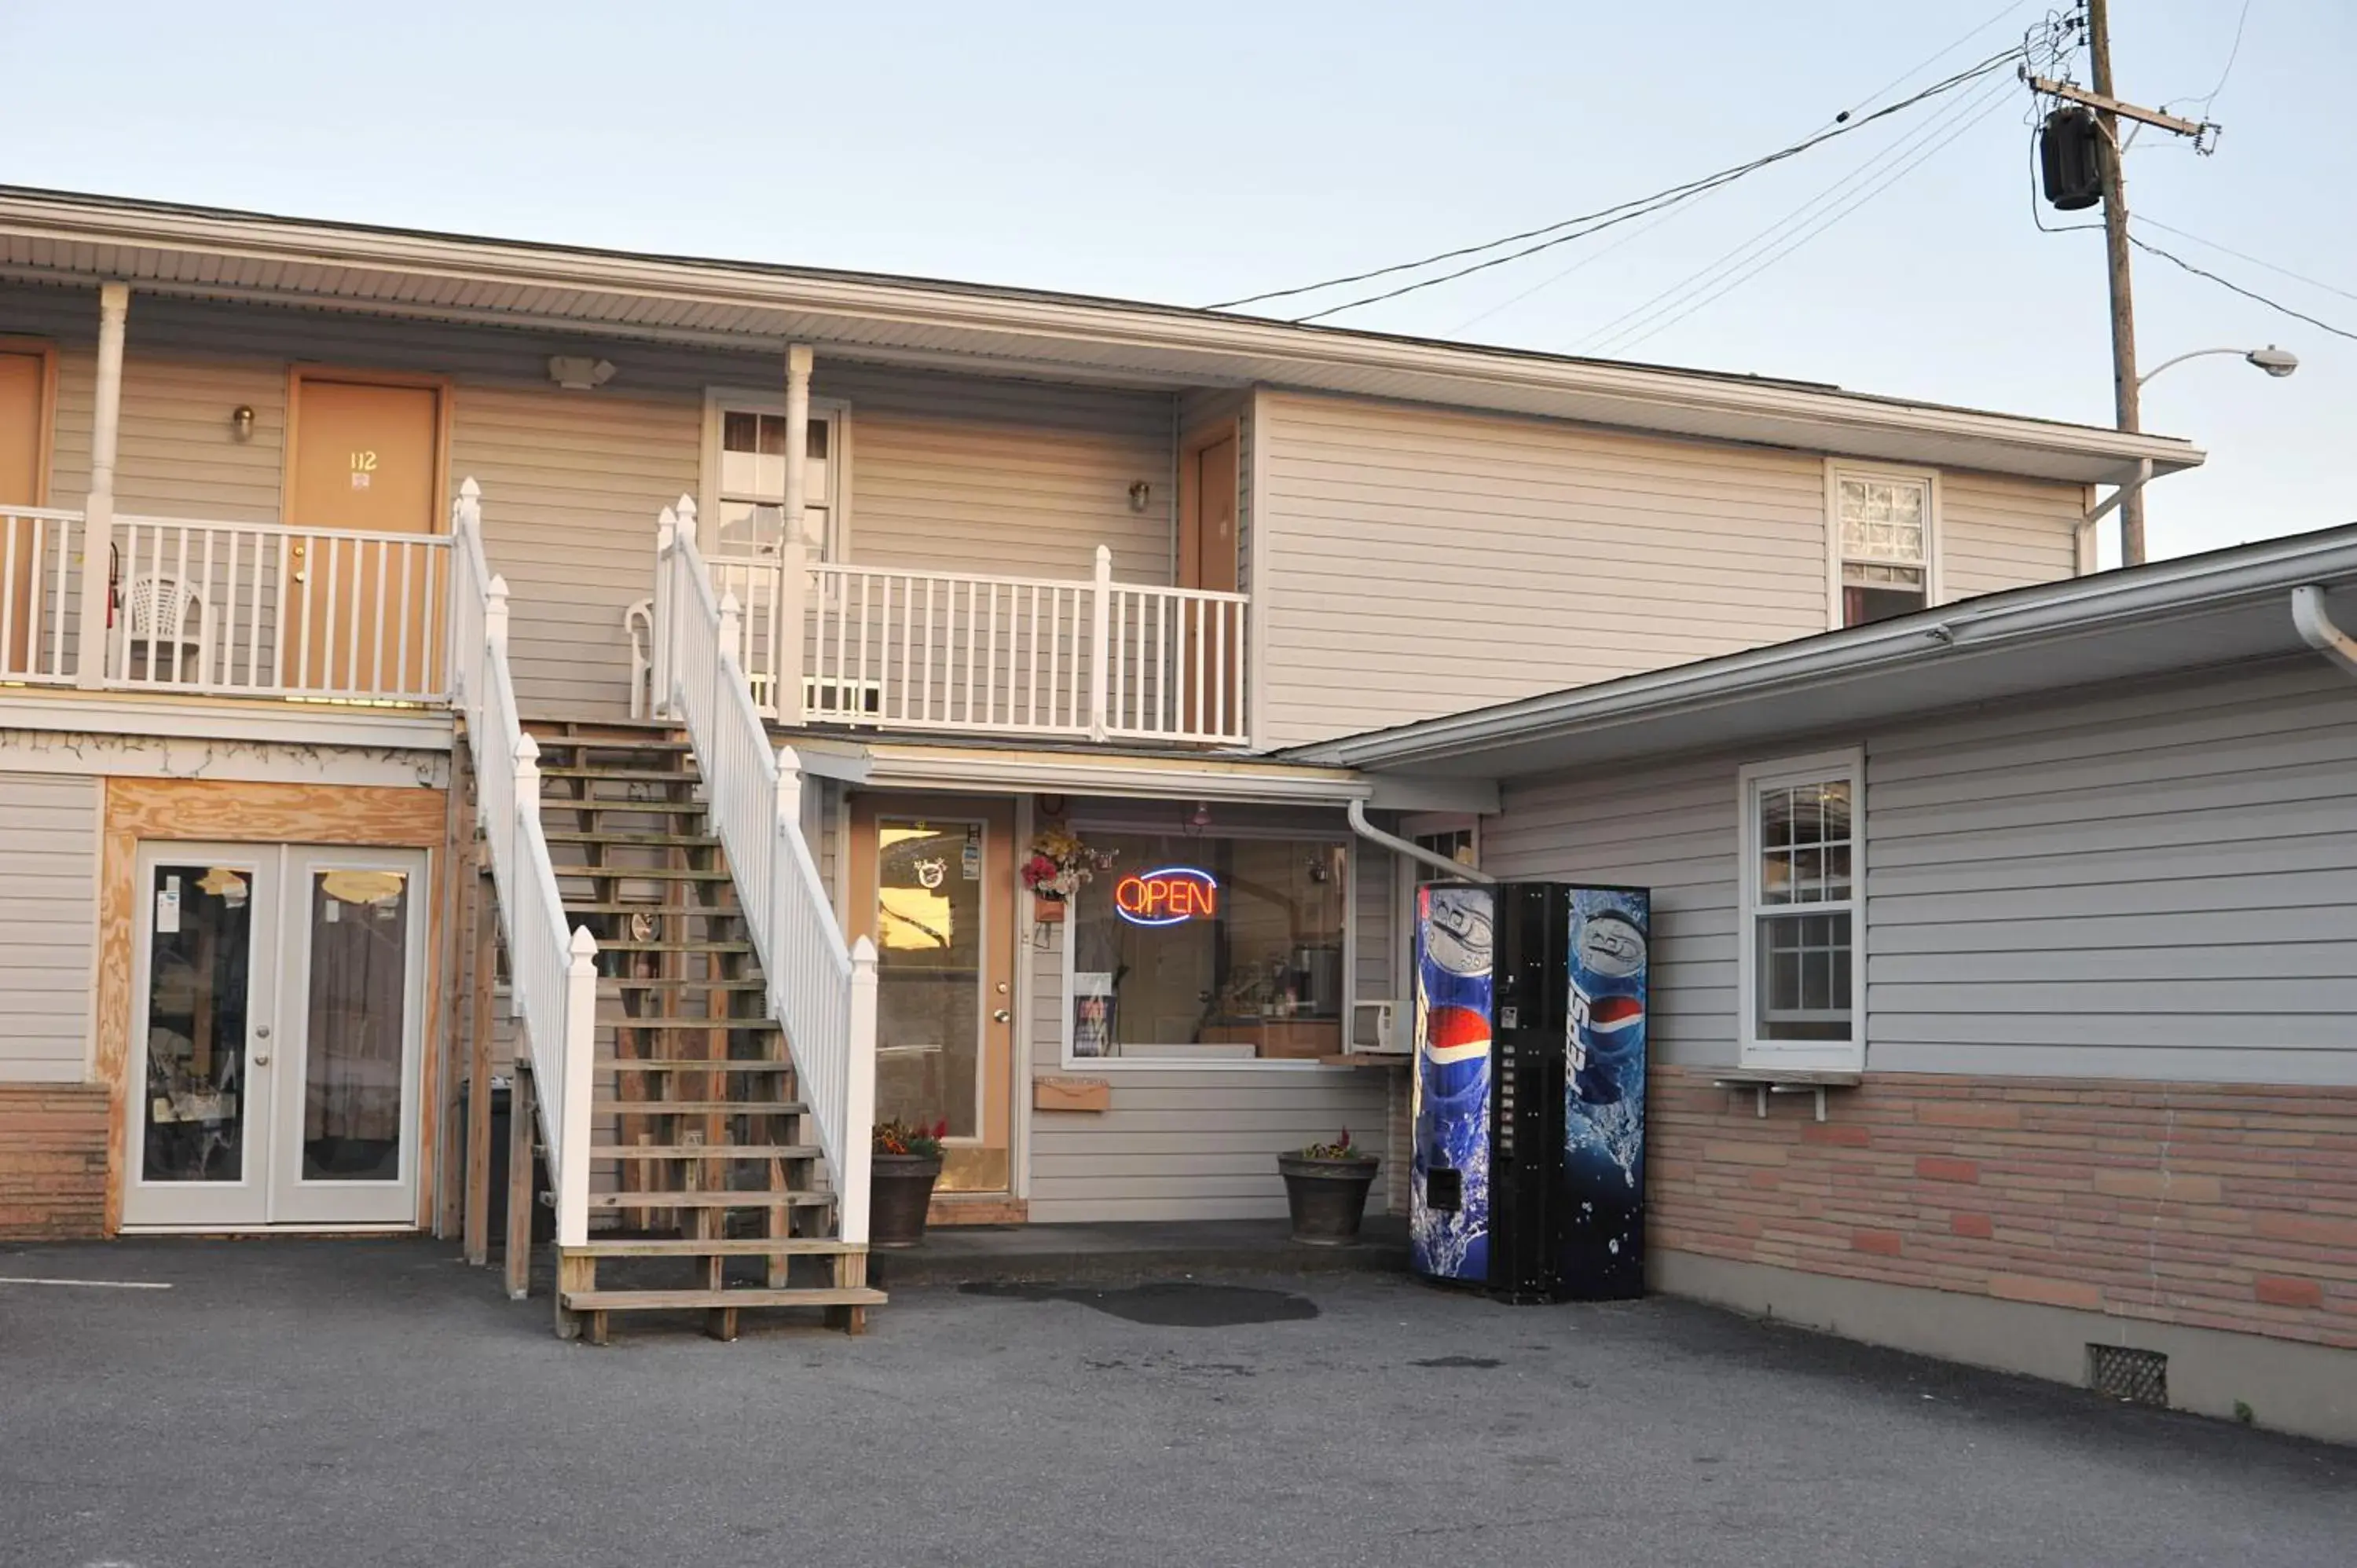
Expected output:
(772, 401)
(1934, 533)
(1823, 1055)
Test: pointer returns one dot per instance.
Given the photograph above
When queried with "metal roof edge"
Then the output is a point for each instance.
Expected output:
(2048, 610)
(71, 217)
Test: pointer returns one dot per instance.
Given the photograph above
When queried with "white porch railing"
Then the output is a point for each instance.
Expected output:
(41, 580)
(227, 608)
(822, 992)
(552, 978)
(1090, 658)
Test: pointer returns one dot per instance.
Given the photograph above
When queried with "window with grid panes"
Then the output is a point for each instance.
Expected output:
(752, 490)
(1884, 524)
(1801, 832)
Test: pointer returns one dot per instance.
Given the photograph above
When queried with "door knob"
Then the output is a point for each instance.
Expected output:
(1002, 1016)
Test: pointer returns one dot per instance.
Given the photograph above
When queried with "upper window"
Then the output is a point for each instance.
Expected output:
(1884, 528)
(749, 481)
(1803, 984)
(1209, 948)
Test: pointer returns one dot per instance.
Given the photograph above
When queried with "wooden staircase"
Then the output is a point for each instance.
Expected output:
(706, 1190)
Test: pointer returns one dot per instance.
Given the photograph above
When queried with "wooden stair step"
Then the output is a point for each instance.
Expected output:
(609, 803)
(579, 871)
(640, 840)
(699, 1106)
(621, 775)
(718, 1247)
(791, 1198)
(617, 742)
(646, 907)
(631, 1064)
(698, 1025)
(704, 1151)
(720, 945)
(749, 1295)
(735, 982)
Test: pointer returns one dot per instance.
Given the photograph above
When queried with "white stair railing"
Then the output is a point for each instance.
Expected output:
(551, 977)
(821, 991)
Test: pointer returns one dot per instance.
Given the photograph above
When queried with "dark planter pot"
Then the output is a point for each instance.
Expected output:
(1327, 1196)
(899, 1189)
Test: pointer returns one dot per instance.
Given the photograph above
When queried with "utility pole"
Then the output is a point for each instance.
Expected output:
(2126, 408)
(2112, 163)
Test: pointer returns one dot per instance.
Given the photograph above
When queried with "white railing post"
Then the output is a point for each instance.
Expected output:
(729, 651)
(1101, 647)
(466, 526)
(793, 594)
(661, 611)
(525, 807)
(576, 1081)
(859, 1093)
(91, 638)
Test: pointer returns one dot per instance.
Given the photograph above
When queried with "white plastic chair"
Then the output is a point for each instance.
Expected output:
(639, 621)
(162, 611)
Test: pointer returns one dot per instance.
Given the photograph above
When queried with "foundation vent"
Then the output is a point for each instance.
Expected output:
(2137, 1377)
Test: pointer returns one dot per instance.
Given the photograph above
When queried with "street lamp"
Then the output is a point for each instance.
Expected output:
(2276, 362)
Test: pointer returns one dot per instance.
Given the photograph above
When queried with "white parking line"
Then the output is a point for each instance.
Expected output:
(86, 1284)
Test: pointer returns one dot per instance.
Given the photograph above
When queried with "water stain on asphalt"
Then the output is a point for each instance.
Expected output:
(1169, 1305)
(1479, 1363)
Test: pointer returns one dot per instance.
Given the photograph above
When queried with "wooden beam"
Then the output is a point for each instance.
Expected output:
(484, 922)
(521, 1106)
(2111, 105)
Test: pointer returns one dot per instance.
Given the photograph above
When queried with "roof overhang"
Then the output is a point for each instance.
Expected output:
(2226, 607)
(62, 238)
(1014, 769)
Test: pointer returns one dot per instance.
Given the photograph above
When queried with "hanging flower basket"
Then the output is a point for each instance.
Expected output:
(1057, 868)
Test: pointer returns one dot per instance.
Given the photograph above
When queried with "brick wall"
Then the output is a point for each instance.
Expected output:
(53, 1161)
(2229, 1207)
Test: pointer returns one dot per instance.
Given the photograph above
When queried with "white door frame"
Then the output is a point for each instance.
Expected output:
(271, 1193)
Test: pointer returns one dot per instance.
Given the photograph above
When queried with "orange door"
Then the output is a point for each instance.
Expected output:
(360, 616)
(23, 382)
(1207, 559)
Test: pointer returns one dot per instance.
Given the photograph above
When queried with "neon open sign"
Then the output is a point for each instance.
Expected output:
(1170, 896)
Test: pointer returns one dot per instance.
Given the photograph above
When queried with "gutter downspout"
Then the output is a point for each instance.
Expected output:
(1438, 862)
(2316, 629)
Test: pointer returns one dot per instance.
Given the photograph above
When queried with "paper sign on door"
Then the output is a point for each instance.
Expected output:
(168, 909)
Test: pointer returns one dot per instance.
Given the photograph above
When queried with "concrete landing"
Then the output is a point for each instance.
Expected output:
(1058, 1254)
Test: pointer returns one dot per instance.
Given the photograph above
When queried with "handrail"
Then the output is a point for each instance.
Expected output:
(552, 978)
(822, 992)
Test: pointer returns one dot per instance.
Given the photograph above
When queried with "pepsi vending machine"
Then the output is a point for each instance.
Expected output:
(1529, 1171)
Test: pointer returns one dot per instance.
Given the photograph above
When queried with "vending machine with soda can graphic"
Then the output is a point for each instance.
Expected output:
(1528, 1174)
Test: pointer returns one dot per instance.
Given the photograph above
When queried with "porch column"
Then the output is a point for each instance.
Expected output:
(793, 592)
(98, 510)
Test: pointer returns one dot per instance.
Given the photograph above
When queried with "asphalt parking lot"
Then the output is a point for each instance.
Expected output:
(364, 1403)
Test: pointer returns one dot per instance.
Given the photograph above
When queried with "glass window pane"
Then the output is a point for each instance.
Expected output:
(357, 1024)
(1802, 977)
(1253, 968)
(739, 432)
(199, 962)
(929, 974)
(815, 443)
(746, 528)
(1836, 881)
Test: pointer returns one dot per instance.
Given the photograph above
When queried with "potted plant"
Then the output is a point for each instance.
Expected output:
(1326, 1187)
(901, 1170)
(1057, 867)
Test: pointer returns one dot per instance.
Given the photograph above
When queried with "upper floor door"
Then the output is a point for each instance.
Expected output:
(1209, 641)
(24, 422)
(364, 458)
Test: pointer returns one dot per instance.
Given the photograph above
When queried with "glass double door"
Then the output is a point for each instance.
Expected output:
(277, 1028)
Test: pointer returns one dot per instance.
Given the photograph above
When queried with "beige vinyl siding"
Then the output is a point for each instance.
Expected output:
(48, 862)
(1997, 533)
(954, 473)
(2160, 883)
(1671, 830)
(1179, 1144)
(1423, 561)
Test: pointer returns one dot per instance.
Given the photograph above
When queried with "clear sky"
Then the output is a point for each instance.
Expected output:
(1202, 152)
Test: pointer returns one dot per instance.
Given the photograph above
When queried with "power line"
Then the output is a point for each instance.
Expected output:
(1668, 298)
(1604, 218)
(1954, 126)
(1550, 281)
(2238, 288)
(2233, 53)
(2238, 256)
